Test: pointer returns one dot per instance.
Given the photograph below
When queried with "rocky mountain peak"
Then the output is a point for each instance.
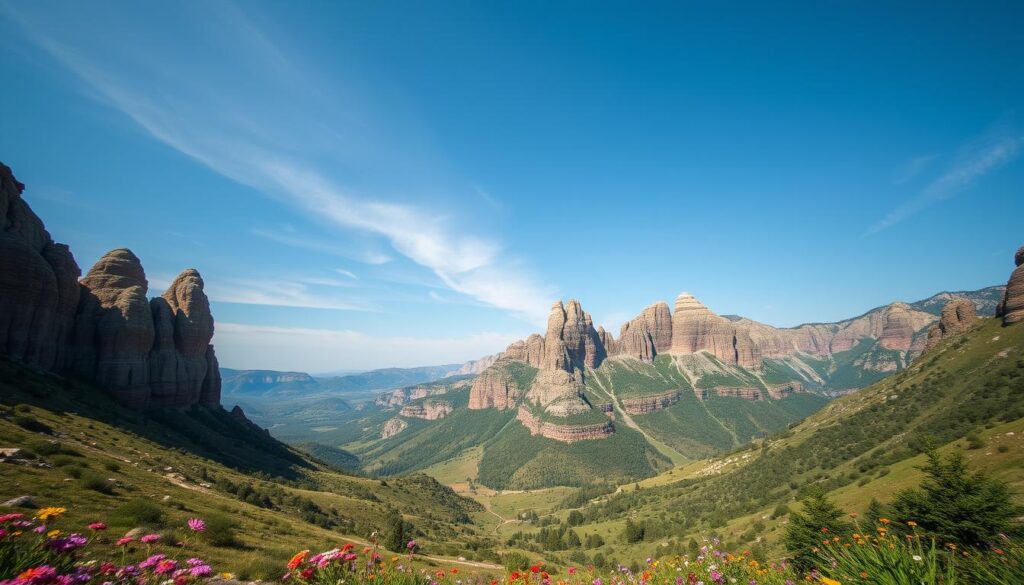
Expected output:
(1011, 309)
(103, 328)
(958, 316)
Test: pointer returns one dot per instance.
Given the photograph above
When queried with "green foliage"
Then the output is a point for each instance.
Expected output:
(220, 531)
(394, 533)
(515, 561)
(93, 481)
(29, 423)
(956, 505)
(819, 520)
(633, 532)
(137, 512)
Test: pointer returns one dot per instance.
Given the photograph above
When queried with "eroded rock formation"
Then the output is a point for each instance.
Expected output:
(780, 391)
(496, 387)
(427, 410)
(564, 433)
(957, 316)
(1011, 309)
(646, 404)
(393, 427)
(102, 328)
(695, 328)
(744, 392)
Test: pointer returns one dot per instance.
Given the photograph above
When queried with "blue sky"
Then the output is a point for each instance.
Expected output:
(385, 183)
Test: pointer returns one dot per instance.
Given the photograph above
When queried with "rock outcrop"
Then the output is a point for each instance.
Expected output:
(530, 351)
(564, 433)
(427, 410)
(744, 392)
(393, 427)
(102, 328)
(496, 387)
(646, 404)
(695, 328)
(780, 391)
(38, 284)
(957, 316)
(647, 335)
(1011, 309)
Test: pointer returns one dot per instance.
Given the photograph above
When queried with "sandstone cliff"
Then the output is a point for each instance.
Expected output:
(646, 404)
(102, 328)
(427, 410)
(1011, 309)
(564, 433)
(497, 388)
(957, 316)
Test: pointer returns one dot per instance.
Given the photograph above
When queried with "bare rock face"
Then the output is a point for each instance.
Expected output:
(38, 283)
(646, 404)
(564, 433)
(184, 328)
(1012, 307)
(898, 331)
(744, 392)
(102, 328)
(494, 388)
(393, 427)
(558, 392)
(114, 328)
(957, 316)
(649, 334)
(530, 351)
(427, 410)
(611, 347)
(695, 328)
(780, 391)
(571, 341)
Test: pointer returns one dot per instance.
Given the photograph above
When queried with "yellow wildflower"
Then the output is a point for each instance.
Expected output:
(47, 513)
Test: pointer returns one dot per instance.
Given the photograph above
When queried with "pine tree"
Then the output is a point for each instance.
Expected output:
(572, 540)
(633, 531)
(955, 505)
(394, 536)
(819, 520)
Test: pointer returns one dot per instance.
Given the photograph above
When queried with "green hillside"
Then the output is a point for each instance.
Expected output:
(156, 469)
(966, 394)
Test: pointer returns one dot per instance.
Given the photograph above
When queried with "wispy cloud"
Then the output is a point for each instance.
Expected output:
(321, 350)
(914, 167)
(359, 253)
(237, 135)
(308, 292)
(973, 162)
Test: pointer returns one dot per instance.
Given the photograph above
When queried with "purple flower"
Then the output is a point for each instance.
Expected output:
(201, 571)
(68, 543)
(196, 525)
(151, 561)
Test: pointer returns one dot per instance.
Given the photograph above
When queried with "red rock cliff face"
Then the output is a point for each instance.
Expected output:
(103, 328)
(646, 404)
(957, 316)
(746, 393)
(695, 328)
(494, 388)
(564, 433)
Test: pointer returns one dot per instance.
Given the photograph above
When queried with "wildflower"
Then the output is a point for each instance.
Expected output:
(53, 534)
(123, 541)
(8, 517)
(917, 558)
(165, 566)
(884, 520)
(150, 538)
(97, 526)
(535, 569)
(297, 559)
(196, 525)
(50, 512)
(828, 581)
(411, 545)
(307, 573)
(572, 570)
(911, 523)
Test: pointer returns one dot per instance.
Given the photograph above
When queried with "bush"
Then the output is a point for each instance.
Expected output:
(515, 561)
(97, 483)
(31, 424)
(138, 512)
(820, 519)
(44, 448)
(220, 530)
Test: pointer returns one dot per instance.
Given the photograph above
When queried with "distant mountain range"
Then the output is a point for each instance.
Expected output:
(673, 386)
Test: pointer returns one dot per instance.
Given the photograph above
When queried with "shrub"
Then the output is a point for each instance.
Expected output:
(44, 448)
(31, 424)
(220, 530)
(95, 482)
(138, 512)
(820, 519)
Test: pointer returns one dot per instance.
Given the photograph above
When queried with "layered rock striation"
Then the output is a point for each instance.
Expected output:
(1011, 309)
(103, 327)
(651, 403)
(564, 433)
(957, 316)
(497, 388)
(427, 410)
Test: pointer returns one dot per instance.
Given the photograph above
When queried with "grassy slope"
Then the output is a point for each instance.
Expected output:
(165, 457)
(860, 446)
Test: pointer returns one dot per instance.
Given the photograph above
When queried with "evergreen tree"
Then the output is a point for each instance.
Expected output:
(819, 520)
(955, 505)
(633, 531)
(876, 511)
(572, 540)
(394, 535)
